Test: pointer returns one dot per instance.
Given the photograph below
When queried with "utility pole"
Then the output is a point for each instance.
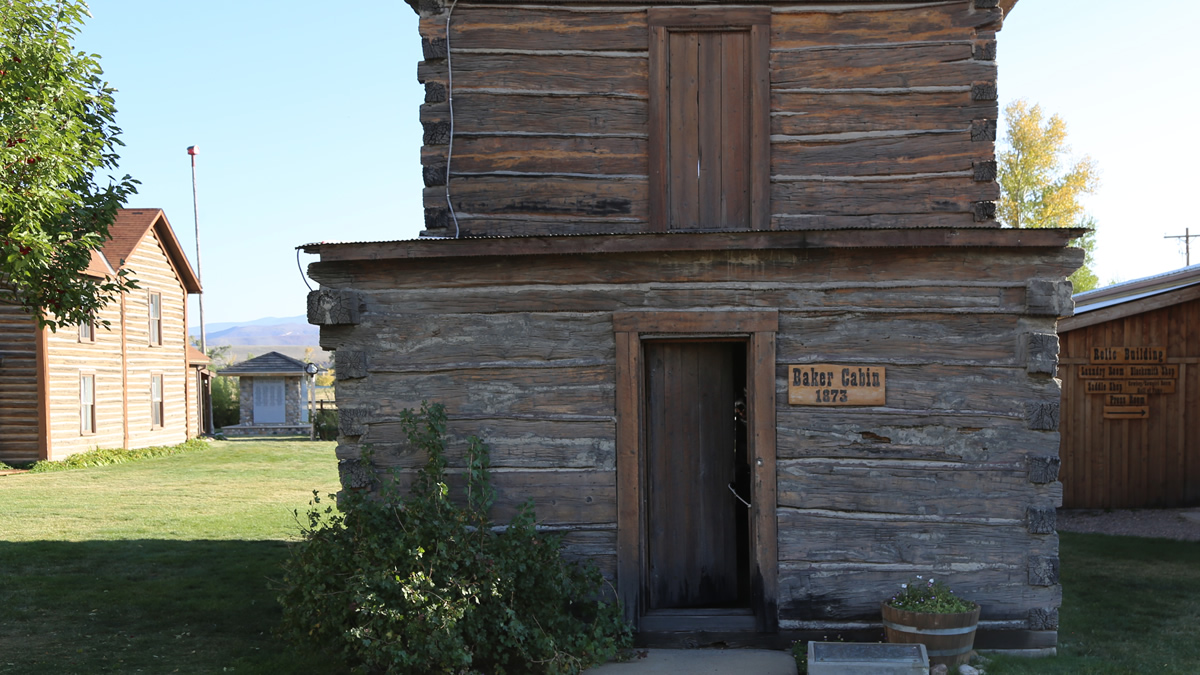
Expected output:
(1187, 243)
(194, 150)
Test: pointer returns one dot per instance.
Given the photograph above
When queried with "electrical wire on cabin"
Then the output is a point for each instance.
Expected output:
(302, 274)
(450, 106)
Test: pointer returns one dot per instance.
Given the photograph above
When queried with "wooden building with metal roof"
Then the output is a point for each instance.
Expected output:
(722, 288)
(1130, 370)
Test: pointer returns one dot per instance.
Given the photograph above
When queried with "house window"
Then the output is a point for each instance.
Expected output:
(87, 404)
(87, 330)
(156, 400)
(709, 119)
(156, 331)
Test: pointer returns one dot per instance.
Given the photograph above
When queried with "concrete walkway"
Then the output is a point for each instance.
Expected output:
(702, 662)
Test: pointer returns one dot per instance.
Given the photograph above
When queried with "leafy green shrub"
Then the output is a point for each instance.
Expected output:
(106, 456)
(420, 584)
(326, 421)
(225, 407)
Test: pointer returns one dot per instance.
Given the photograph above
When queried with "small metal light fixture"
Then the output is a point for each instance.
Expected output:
(312, 369)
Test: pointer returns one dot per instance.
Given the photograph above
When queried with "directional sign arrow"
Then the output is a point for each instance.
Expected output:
(1126, 412)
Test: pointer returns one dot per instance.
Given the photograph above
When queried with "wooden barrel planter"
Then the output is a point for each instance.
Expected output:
(948, 638)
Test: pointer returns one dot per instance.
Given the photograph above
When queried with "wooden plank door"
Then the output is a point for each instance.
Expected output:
(268, 400)
(708, 180)
(693, 546)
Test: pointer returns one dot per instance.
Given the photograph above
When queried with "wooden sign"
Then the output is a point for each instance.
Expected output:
(1107, 355)
(1126, 412)
(1127, 399)
(828, 384)
(1129, 386)
(1128, 371)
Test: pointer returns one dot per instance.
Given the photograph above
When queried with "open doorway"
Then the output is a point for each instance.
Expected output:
(697, 475)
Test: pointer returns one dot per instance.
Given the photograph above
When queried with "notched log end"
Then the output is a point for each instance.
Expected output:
(436, 133)
(983, 130)
(351, 364)
(983, 211)
(428, 7)
(1042, 519)
(1043, 618)
(1043, 469)
(355, 475)
(984, 91)
(985, 171)
(1042, 350)
(435, 92)
(352, 421)
(434, 175)
(434, 48)
(437, 219)
(1043, 570)
(1049, 298)
(328, 307)
(985, 50)
(1042, 416)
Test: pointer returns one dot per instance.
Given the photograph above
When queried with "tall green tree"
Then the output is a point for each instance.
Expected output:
(57, 136)
(1037, 186)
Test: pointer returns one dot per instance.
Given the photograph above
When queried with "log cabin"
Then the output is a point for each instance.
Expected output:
(136, 383)
(1130, 370)
(722, 288)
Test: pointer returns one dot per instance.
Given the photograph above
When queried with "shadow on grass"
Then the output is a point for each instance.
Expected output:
(151, 606)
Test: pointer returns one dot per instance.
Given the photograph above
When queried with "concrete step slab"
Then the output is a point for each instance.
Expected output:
(702, 662)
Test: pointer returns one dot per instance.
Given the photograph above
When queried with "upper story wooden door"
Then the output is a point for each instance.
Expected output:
(709, 119)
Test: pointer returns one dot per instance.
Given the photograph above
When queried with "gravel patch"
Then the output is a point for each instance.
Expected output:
(1183, 524)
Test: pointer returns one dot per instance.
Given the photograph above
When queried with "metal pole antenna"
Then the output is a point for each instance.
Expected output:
(1187, 244)
(194, 150)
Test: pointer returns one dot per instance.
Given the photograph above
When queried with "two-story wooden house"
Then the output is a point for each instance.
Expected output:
(722, 287)
(134, 384)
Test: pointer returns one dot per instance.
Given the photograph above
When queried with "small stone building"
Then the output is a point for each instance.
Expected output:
(272, 396)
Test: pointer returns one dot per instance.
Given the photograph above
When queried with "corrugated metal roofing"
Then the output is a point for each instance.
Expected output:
(1136, 289)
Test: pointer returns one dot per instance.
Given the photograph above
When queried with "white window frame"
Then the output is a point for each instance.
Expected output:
(154, 309)
(87, 404)
(157, 409)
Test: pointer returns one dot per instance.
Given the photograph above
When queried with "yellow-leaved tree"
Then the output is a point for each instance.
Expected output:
(1038, 189)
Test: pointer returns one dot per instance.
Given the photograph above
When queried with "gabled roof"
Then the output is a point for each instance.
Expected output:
(271, 363)
(1133, 297)
(130, 229)
(98, 267)
(196, 357)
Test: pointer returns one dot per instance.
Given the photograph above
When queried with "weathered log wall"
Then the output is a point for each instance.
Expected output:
(1127, 463)
(954, 476)
(882, 115)
(19, 426)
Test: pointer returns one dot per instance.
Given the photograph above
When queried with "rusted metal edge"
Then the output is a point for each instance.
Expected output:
(989, 237)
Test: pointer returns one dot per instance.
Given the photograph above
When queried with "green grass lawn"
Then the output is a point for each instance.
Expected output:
(1130, 605)
(156, 566)
(163, 566)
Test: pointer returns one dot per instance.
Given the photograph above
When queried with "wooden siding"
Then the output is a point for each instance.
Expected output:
(149, 264)
(1114, 463)
(67, 358)
(18, 386)
(552, 117)
(522, 351)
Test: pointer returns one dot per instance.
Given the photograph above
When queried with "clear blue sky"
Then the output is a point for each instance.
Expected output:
(306, 115)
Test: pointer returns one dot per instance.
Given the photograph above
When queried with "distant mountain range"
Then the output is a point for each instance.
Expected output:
(272, 331)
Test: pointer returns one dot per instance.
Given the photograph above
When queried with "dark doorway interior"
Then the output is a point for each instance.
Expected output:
(698, 548)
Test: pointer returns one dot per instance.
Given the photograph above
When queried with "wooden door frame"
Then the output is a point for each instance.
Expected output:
(758, 328)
